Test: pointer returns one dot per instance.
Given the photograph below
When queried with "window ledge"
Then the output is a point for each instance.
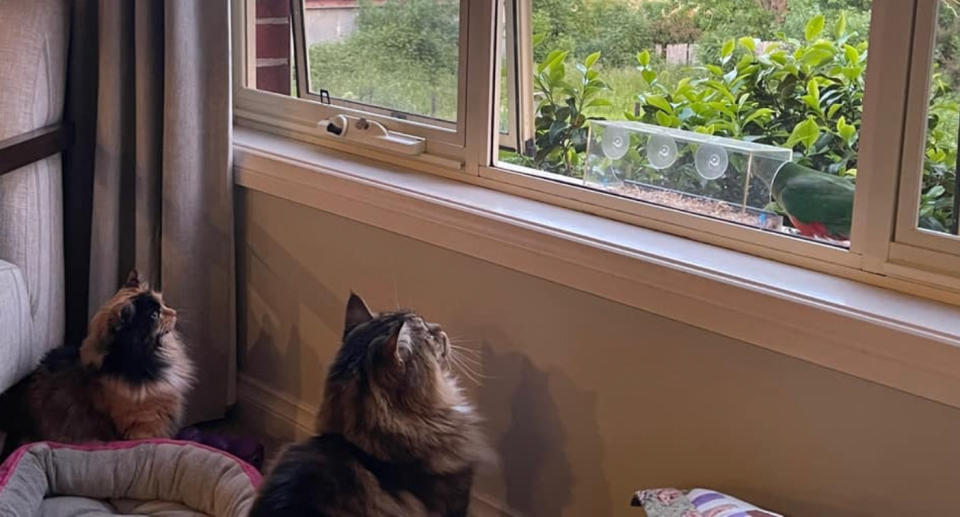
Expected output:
(895, 339)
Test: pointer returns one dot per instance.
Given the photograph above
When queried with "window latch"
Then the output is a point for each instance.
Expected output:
(371, 133)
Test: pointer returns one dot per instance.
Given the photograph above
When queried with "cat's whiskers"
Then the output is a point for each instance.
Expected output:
(464, 374)
(463, 368)
(463, 339)
(476, 361)
(466, 350)
(468, 370)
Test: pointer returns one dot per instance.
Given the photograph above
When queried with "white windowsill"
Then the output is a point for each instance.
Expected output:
(894, 339)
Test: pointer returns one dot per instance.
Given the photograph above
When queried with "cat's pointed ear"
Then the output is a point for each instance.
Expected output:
(397, 346)
(124, 315)
(133, 279)
(357, 313)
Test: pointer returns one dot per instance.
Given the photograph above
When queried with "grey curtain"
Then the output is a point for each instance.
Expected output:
(149, 184)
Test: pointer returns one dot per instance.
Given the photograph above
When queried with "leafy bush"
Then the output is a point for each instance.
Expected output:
(940, 158)
(583, 27)
(402, 55)
(799, 12)
(562, 111)
(802, 93)
(806, 95)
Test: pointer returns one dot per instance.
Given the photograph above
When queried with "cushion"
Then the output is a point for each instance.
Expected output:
(17, 356)
(699, 502)
(144, 477)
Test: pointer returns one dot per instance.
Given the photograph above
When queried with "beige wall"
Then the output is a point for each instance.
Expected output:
(588, 400)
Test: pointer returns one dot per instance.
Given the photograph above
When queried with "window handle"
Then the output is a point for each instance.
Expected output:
(372, 133)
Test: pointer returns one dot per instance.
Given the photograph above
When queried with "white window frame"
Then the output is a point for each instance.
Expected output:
(884, 238)
(518, 55)
(911, 242)
(880, 131)
(445, 141)
(354, 107)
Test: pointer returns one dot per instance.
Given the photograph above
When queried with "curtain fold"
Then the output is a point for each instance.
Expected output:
(160, 187)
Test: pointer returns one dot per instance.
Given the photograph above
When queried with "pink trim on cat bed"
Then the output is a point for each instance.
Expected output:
(9, 466)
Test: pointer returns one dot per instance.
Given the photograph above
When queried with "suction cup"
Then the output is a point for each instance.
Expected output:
(615, 142)
(661, 151)
(711, 161)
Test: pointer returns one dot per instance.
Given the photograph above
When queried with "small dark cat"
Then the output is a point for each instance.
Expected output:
(128, 379)
(396, 436)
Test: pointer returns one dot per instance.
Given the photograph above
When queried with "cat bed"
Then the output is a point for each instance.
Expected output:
(145, 477)
(699, 502)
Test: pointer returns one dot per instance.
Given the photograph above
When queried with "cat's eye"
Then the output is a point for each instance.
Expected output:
(154, 315)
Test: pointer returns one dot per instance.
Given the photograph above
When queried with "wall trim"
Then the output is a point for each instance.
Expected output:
(894, 339)
(276, 414)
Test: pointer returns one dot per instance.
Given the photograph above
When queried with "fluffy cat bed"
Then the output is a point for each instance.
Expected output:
(699, 502)
(146, 477)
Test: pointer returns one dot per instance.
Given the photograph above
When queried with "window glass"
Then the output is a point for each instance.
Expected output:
(938, 198)
(401, 55)
(743, 110)
(399, 58)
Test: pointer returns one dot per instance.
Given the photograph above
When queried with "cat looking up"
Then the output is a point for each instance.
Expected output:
(396, 436)
(128, 380)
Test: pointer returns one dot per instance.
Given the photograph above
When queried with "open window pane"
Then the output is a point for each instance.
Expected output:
(398, 55)
(742, 110)
(393, 58)
(938, 194)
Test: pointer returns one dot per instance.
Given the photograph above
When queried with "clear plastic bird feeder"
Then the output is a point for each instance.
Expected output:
(714, 176)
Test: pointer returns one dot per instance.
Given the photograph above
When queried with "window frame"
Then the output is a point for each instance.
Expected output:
(300, 116)
(908, 234)
(519, 62)
(301, 58)
(880, 245)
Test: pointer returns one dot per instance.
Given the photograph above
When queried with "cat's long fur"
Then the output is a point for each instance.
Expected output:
(128, 379)
(396, 437)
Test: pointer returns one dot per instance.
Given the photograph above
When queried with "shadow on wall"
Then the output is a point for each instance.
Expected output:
(281, 289)
(531, 433)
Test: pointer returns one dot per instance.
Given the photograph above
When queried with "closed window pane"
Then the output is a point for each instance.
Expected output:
(743, 110)
(938, 195)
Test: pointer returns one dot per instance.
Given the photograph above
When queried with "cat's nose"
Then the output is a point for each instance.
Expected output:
(170, 313)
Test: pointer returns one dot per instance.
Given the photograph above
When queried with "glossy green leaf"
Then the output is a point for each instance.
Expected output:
(840, 27)
(643, 58)
(805, 133)
(727, 49)
(851, 53)
(591, 59)
(814, 27)
(660, 103)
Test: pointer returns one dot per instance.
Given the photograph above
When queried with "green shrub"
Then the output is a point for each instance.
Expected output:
(401, 55)
(802, 93)
(563, 111)
(583, 27)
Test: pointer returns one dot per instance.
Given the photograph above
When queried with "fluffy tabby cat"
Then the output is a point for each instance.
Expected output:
(395, 435)
(128, 379)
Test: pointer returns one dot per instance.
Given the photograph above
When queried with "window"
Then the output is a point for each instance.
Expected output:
(400, 57)
(810, 131)
(744, 111)
(381, 74)
(929, 214)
